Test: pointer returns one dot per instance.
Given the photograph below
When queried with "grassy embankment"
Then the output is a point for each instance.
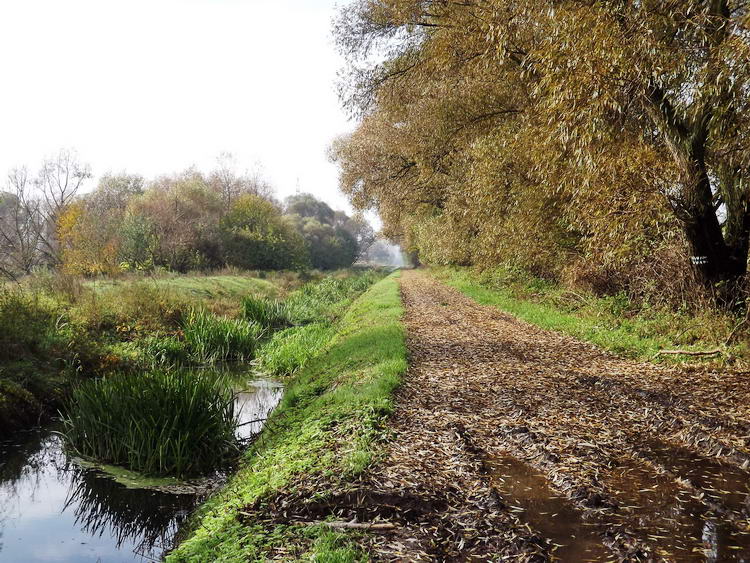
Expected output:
(613, 323)
(56, 331)
(329, 424)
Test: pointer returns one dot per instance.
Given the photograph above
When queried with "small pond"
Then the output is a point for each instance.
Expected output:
(52, 509)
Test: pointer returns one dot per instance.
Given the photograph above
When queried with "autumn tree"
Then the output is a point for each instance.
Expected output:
(90, 229)
(184, 213)
(256, 236)
(523, 132)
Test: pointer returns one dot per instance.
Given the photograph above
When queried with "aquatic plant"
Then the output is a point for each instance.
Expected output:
(210, 338)
(269, 313)
(179, 423)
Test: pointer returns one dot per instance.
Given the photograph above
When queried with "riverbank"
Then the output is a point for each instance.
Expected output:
(56, 331)
(328, 429)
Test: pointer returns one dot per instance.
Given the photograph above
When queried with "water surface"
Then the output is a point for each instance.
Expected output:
(52, 510)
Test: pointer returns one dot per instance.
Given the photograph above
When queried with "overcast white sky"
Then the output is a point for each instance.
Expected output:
(155, 86)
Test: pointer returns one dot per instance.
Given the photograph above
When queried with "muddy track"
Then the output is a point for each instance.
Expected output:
(530, 446)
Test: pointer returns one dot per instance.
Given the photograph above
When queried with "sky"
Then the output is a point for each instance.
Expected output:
(157, 86)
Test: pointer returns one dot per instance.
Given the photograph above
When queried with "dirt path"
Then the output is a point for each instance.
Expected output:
(510, 440)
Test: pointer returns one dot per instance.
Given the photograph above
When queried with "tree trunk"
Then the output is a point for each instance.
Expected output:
(714, 259)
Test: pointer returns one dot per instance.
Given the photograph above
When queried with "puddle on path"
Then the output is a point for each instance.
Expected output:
(723, 484)
(54, 510)
(555, 517)
(672, 517)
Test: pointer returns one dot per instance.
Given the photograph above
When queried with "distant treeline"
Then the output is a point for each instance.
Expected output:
(597, 142)
(182, 222)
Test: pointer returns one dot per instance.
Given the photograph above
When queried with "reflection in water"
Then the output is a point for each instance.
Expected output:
(143, 518)
(255, 403)
(527, 492)
(54, 510)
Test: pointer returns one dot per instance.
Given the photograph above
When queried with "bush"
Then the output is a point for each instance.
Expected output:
(290, 349)
(209, 338)
(161, 423)
(27, 324)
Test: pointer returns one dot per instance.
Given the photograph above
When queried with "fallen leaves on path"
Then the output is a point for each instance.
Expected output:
(652, 457)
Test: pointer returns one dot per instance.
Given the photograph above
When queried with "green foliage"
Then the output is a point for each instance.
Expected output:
(330, 236)
(317, 300)
(289, 350)
(160, 423)
(256, 236)
(209, 338)
(330, 423)
(56, 329)
(268, 313)
(27, 323)
(163, 350)
(137, 243)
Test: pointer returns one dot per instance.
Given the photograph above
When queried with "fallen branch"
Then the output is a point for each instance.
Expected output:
(690, 352)
(251, 422)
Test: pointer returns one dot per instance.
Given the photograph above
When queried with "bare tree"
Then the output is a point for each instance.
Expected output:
(30, 209)
(230, 184)
(59, 181)
(21, 225)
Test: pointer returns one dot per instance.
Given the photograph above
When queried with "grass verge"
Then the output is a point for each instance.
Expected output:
(330, 423)
(613, 322)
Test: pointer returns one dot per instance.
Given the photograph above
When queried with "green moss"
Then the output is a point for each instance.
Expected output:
(330, 422)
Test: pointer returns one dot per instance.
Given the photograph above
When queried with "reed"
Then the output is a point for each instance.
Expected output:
(269, 313)
(210, 338)
(179, 423)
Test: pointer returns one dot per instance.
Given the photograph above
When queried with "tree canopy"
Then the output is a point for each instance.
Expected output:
(554, 135)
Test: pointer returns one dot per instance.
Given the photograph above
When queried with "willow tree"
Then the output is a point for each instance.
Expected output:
(602, 120)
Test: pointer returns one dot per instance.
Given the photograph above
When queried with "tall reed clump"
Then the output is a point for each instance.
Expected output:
(269, 313)
(317, 301)
(209, 338)
(177, 423)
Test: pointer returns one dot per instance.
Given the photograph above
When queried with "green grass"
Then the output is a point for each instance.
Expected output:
(174, 423)
(611, 322)
(330, 423)
(202, 287)
(289, 350)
